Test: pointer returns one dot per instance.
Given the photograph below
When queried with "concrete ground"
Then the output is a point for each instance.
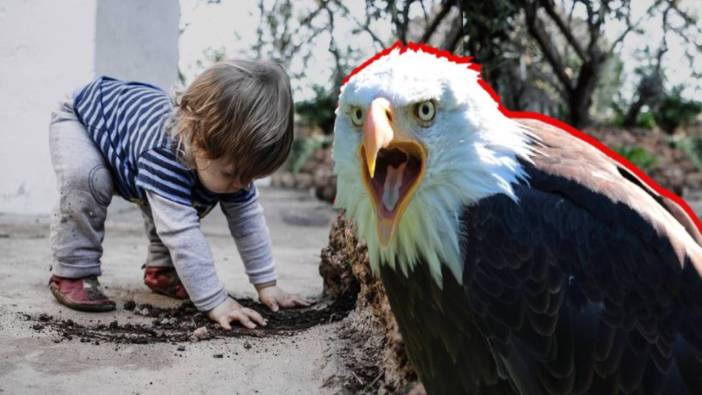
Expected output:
(31, 362)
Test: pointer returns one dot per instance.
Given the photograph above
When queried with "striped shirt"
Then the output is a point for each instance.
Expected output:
(127, 121)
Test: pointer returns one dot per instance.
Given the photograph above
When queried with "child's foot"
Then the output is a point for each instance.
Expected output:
(84, 294)
(165, 281)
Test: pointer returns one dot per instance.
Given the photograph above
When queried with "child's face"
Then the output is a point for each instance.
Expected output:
(218, 176)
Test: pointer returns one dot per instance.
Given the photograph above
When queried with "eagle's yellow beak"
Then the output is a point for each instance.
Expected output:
(392, 165)
(377, 130)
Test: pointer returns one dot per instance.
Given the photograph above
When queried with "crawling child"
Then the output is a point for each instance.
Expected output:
(232, 125)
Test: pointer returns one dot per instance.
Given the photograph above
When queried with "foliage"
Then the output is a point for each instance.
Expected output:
(319, 111)
(674, 111)
(487, 26)
(539, 55)
(302, 149)
(650, 90)
(644, 119)
(641, 158)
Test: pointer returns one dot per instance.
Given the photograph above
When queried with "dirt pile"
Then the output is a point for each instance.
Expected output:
(377, 354)
(185, 323)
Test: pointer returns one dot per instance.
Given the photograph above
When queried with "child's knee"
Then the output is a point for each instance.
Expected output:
(97, 182)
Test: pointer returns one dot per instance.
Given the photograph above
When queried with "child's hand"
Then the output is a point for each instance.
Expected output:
(275, 298)
(230, 310)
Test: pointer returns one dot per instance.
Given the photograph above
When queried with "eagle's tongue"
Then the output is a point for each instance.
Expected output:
(392, 185)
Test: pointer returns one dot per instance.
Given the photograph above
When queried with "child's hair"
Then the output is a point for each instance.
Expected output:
(240, 111)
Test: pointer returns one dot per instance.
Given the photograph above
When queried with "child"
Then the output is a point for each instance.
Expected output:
(233, 124)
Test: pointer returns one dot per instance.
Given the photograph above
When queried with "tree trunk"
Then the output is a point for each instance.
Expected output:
(580, 98)
(633, 113)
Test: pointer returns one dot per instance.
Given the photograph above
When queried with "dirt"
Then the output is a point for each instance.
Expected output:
(178, 325)
(373, 349)
(285, 360)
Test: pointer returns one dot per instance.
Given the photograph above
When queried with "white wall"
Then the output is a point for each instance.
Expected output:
(48, 48)
(138, 40)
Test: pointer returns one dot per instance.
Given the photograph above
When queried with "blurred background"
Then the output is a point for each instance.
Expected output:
(627, 72)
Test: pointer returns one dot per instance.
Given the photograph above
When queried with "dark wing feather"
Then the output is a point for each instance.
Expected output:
(440, 335)
(596, 307)
(606, 302)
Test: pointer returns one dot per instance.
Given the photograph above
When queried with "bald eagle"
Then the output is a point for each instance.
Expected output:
(518, 258)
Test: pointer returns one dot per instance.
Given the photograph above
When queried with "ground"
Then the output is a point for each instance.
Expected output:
(36, 358)
(45, 347)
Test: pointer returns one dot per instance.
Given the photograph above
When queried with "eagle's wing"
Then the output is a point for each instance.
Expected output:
(578, 291)
(565, 163)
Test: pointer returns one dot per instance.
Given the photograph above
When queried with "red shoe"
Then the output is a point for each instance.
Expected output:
(84, 294)
(165, 281)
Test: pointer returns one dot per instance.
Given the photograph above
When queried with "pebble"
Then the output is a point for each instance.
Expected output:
(199, 334)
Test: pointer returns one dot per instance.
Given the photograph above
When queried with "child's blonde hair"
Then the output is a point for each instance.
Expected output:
(240, 111)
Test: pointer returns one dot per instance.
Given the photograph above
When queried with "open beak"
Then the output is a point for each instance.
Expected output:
(392, 165)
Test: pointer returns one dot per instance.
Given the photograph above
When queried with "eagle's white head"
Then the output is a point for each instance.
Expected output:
(416, 139)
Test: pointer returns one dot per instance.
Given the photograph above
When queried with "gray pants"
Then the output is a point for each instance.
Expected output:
(85, 190)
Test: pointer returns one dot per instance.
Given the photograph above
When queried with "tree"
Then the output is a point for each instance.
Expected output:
(651, 90)
(585, 55)
(537, 54)
(319, 110)
(674, 110)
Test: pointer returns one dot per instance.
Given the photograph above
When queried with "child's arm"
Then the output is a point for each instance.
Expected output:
(178, 226)
(247, 225)
(248, 228)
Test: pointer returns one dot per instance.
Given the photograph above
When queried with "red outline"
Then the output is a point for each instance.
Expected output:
(532, 115)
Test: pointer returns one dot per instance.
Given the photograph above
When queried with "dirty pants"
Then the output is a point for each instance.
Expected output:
(85, 189)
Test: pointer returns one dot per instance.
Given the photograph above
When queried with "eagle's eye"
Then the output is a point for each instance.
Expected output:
(356, 116)
(425, 111)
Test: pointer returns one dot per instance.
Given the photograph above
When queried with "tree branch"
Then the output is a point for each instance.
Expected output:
(537, 31)
(334, 50)
(424, 11)
(550, 81)
(565, 30)
(405, 20)
(363, 26)
(454, 36)
(631, 26)
(445, 9)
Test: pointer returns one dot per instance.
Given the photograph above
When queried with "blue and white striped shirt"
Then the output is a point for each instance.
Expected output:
(127, 120)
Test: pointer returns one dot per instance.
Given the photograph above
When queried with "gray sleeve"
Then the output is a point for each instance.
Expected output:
(250, 232)
(178, 227)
